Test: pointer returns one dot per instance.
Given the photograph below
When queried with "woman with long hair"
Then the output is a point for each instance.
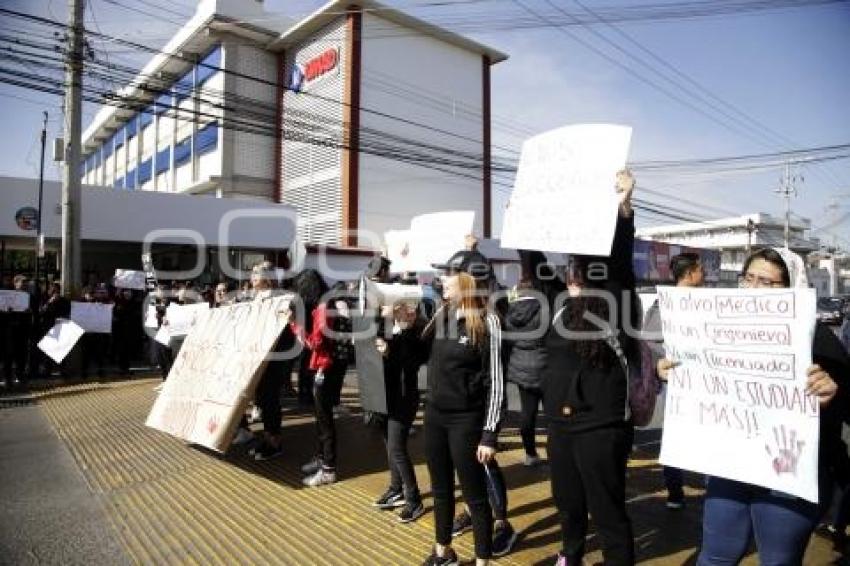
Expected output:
(585, 395)
(463, 413)
(735, 512)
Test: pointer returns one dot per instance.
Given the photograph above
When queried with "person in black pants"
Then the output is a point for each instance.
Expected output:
(585, 396)
(403, 356)
(463, 413)
(267, 394)
(18, 327)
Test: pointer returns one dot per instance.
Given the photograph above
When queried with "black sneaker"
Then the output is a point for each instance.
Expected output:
(267, 452)
(389, 500)
(312, 466)
(461, 524)
(504, 537)
(410, 512)
(450, 559)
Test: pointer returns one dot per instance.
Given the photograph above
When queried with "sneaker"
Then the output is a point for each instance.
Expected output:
(675, 504)
(390, 499)
(243, 436)
(266, 452)
(504, 537)
(312, 466)
(450, 559)
(411, 512)
(321, 477)
(461, 524)
(255, 416)
(531, 460)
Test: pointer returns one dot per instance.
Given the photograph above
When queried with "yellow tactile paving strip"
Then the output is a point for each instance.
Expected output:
(174, 504)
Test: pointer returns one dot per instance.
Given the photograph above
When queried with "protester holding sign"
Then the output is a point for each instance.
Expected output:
(56, 307)
(585, 395)
(18, 325)
(781, 523)
(94, 344)
(464, 411)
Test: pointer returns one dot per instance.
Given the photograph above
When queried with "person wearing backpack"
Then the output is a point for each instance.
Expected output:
(687, 272)
(585, 395)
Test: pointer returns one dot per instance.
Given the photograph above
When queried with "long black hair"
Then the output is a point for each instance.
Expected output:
(309, 286)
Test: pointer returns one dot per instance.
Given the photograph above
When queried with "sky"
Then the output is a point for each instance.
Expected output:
(787, 70)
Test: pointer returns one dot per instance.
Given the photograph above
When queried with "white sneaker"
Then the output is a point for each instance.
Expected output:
(256, 416)
(243, 436)
(322, 477)
(531, 461)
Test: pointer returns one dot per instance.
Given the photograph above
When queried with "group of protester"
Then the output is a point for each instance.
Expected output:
(582, 385)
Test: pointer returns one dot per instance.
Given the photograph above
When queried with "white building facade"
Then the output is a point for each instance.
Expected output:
(735, 237)
(360, 117)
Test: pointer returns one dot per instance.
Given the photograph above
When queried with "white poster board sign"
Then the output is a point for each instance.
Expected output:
(129, 279)
(60, 339)
(398, 250)
(183, 318)
(216, 371)
(736, 406)
(92, 317)
(564, 197)
(150, 317)
(435, 237)
(17, 301)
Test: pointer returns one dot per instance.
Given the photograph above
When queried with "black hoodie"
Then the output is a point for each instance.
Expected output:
(577, 393)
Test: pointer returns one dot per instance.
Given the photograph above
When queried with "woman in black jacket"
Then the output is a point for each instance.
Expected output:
(464, 411)
(584, 396)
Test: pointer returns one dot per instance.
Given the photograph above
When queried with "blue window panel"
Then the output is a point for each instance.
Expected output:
(163, 160)
(107, 147)
(82, 168)
(183, 152)
(146, 117)
(131, 128)
(119, 183)
(209, 65)
(183, 87)
(97, 157)
(119, 138)
(145, 171)
(163, 103)
(130, 180)
(206, 140)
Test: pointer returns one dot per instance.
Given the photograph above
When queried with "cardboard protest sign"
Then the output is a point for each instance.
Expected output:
(183, 318)
(92, 317)
(370, 365)
(17, 301)
(129, 279)
(564, 197)
(435, 237)
(60, 339)
(217, 370)
(736, 406)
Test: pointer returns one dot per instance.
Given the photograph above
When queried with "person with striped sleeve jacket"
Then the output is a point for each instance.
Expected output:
(464, 411)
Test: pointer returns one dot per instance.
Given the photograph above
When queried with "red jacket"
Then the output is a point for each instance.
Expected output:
(320, 345)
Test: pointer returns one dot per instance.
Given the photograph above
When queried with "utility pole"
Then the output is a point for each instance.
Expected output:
(786, 190)
(39, 233)
(71, 273)
(751, 227)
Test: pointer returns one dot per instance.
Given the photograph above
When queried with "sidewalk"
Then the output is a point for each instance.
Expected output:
(171, 503)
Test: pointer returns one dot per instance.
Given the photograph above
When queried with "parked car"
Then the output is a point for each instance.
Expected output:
(830, 310)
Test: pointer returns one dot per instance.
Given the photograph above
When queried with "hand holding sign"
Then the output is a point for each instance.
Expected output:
(820, 384)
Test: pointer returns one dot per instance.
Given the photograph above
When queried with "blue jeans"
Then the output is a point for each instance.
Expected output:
(735, 511)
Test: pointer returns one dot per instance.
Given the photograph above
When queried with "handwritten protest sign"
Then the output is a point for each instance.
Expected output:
(183, 318)
(564, 197)
(435, 237)
(216, 371)
(92, 317)
(60, 339)
(17, 301)
(129, 279)
(736, 406)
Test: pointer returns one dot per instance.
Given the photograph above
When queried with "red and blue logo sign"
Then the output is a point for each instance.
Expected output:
(320, 65)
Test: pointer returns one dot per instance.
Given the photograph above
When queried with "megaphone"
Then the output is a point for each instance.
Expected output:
(384, 294)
